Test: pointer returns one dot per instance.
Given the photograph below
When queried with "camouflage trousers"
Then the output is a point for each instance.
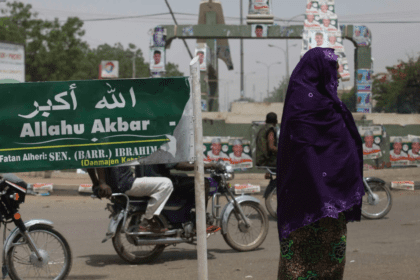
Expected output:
(316, 251)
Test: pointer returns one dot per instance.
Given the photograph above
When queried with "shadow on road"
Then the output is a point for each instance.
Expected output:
(169, 255)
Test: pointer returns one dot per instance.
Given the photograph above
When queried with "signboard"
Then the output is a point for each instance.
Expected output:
(12, 63)
(110, 69)
(236, 151)
(259, 7)
(82, 124)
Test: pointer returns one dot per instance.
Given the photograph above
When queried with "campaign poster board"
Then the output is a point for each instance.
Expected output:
(414, 149)
(259, 7)
(398, 151)
(364, 76)
(362, 35)
(259, 30)
(372, 138)
(12, 63)
(110, 69)
(234, 150)
(158, 38)
(157, 59)
(203, 54)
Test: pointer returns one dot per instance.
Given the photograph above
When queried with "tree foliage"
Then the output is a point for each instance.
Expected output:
(401, 93)
(57, 52)
(277, 94)
(349, 99)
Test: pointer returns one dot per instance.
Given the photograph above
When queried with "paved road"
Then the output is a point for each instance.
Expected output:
(377, 249)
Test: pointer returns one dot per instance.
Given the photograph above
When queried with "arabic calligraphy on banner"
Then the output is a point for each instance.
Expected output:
(80, 124)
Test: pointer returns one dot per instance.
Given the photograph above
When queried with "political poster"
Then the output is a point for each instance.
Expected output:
(321, 18)
(204, 56)
(259, 7)
(372, 138)
(259, 30)
(157, 59)
(362, 35)
(399, 147)
(414, 149)
(98, 123)
(110, 69)
(234, 150)
(158, 38)
(364, 76)
(12, 63)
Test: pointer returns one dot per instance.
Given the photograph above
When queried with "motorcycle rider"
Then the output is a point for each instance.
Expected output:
(267, 142)
(121, 180)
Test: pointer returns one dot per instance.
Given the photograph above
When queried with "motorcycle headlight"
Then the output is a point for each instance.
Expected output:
(229, 176)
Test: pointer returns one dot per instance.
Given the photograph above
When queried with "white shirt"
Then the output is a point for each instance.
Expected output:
(243, 156)
(221, 155)
(415, 156)
(328, 14)
(401, 155)
(329, 28)
(313, 25)
(374, 150)
(335, 46)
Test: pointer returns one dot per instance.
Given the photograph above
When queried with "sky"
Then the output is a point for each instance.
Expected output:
(390, 42)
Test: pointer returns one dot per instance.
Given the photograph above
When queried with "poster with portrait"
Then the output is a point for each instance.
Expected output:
(343, 69)
(203, 55)
(259, 30)
(372, 138)
(398, 152)
(317, 38)
(158, 38)
(310, 22)
(364, 76)
(362, 35)
(157, 59)
(414, 149)
(240, 153)
(259, 7)
(363, 99)
(234, 150)
(335, 42)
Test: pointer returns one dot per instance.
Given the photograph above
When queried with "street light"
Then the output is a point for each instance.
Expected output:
(268, 74)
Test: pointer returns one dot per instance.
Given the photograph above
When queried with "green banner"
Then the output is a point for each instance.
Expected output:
(82, 124)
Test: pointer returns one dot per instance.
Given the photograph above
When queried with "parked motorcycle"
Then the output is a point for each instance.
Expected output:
(376, 202)
(243, 222)
(33, 250)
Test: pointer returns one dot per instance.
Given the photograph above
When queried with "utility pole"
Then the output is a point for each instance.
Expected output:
(134, 66)
(242, 56)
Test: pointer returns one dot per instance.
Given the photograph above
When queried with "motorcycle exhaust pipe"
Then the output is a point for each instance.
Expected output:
(161, 241)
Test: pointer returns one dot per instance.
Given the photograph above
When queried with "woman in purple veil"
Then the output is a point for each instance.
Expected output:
(319, 172)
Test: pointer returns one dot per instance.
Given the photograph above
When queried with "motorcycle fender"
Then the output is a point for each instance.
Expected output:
(8, 244)
(229, 208)
(375, 180)
(270, 188)
(113, 224)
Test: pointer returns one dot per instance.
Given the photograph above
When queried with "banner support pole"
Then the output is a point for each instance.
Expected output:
(200, 208)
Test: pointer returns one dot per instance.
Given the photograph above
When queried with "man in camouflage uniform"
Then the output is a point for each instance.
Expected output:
(267, 142)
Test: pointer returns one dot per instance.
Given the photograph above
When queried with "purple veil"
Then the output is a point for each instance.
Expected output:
(320, 157)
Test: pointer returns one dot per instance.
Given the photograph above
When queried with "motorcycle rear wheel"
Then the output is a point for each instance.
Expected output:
(127, 250)
(271, 203)
(255, 213)
(54, 249)
(370, 210)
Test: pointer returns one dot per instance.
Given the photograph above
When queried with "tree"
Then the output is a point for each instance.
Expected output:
(349, 99)
(277, 94)
(400, 94)
(172, 70)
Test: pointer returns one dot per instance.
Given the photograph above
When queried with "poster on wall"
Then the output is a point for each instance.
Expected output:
(203, 56)
(157, 59)
(12, 63)
(362, 35)
(259, 7)
(372, 138)
(235, 150)
(259, 30)
(364, 76)
(414, 149)
(398, 153)
(321, 18)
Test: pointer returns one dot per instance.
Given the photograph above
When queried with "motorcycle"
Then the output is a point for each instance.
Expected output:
(376, 203)
(243, 221)
(33, 250)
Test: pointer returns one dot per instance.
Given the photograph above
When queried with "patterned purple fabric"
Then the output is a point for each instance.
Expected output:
(320, 158)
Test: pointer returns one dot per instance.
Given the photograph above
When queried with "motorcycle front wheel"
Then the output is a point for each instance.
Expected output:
(242, 238)
(271, 203)
(22, 263)
(378, 205)
(125, 245)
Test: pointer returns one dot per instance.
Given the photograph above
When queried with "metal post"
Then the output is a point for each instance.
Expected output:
(268, 80)
(200, 208)
(134, 66)
(242, 56)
